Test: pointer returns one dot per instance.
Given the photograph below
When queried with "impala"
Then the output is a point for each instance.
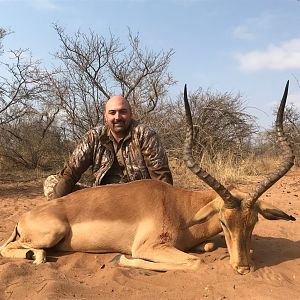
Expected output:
(151, 222)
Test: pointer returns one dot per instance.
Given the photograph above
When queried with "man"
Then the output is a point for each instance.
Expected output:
(121, 151)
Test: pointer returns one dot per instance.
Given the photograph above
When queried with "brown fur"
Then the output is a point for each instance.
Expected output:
(150, 220)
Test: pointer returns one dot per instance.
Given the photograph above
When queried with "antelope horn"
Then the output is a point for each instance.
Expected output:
(288, 156)
(229, 200)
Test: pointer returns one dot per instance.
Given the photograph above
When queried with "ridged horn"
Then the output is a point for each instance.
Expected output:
(287, 153)
(229, 200)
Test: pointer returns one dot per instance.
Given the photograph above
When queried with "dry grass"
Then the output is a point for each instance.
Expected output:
(22, 175)
(224, 168)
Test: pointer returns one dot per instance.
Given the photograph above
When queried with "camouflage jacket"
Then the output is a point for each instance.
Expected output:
(142, 153)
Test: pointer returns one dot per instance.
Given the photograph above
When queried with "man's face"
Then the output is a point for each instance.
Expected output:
(118, 115)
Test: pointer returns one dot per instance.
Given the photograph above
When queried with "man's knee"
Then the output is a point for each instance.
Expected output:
(49, 185)
(55, 186)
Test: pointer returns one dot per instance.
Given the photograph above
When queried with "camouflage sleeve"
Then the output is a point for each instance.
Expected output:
(155, 157)
(78, 163)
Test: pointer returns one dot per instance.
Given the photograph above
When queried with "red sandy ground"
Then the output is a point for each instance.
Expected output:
(276, 254)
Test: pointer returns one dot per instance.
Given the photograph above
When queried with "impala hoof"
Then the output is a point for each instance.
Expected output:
(29, 255)
(116, 259)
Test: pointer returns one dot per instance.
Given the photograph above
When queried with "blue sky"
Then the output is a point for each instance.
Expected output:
(251, 47)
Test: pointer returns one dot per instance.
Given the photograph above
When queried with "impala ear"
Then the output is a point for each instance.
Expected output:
(206, 212)
(271, 212)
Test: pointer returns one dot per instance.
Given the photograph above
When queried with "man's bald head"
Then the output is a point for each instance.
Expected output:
(117, 101)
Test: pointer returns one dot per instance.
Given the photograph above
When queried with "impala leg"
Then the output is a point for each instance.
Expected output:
(165, 258)
(33, 240)
(17, 250)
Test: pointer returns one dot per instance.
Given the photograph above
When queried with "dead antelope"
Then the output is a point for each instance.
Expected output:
(150, 220)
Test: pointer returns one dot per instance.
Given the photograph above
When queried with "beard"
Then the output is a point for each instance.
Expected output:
(120, 127)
